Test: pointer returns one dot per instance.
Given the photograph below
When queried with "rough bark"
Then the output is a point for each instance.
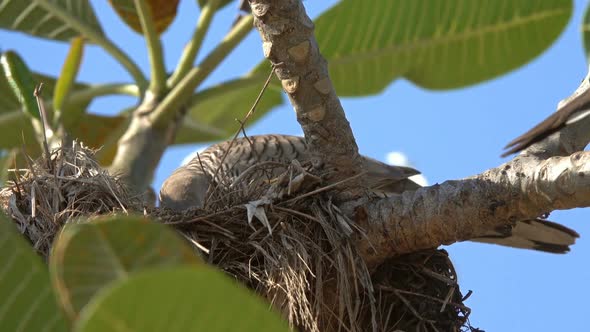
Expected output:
(289, 44)
(140, 149)
(458, 210)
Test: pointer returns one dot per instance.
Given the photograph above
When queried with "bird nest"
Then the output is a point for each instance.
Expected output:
(281, 236)
(70, 183)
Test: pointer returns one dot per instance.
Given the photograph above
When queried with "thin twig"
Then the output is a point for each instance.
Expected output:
(391, 289)
(301, 214)
(231, 143)
(328, 187)
(254, 168)
(44, 122)
(407, 303)
(447, 298)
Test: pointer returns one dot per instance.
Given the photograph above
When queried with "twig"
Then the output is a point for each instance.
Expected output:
(253, 168)
(447, 298)
(44, 122)
(407, 303)
(231, 143)
(301, 214)
(319, 190)
(440, 277)
(391, 289)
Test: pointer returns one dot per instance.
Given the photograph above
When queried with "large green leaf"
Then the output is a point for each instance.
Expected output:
(12, 121)
(27, 301)
(178, 300)
(53, 19)
(586, 32)
(89, 255)
(435, 44)
(163, 13)
(215, 110)
(14, 125)
(20, 79)
(9, 103)
(92, 129)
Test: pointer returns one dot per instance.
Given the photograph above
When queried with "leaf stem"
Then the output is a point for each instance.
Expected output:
(99, 39)
(194, 45)
(82, 96)
(154, 46)
(181, 93)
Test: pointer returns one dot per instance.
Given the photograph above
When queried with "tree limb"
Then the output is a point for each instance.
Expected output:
(154, 46)
(459, 210)
(289, 44)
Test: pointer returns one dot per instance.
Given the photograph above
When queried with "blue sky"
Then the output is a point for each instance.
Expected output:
(445, 134)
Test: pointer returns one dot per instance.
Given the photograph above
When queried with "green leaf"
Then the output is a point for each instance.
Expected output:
(9, 102)
(27, 302)
(87, 256)
(52, 19)
(163, 13)
(215, 110)
(222, 3)
(20, 79)
(586, 32)
(435, 44)
(178, 300)
(14, 125)
(69, 71)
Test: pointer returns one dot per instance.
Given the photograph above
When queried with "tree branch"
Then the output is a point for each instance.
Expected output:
(289, 44)
(189, 54)
(460, 210)
(183, 91)
(154, 46)
(154, 124)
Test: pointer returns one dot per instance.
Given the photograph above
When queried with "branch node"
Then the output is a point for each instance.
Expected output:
(316, 114)
(267, 49)
(260, 9)
(290, 85)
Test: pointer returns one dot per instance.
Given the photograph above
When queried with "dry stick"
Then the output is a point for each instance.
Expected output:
(254, 168)
(447, 298)
(251, 145)
(301, 214)
(44, 126)
(44, 122)
(440, 277)
(407, 303)
(319, 190)
(203, 169)
(16, 176)
(392, 289)
(241, 126)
